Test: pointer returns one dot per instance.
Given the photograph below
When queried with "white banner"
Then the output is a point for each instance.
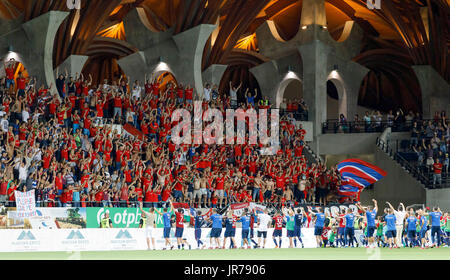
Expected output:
(25, 204)
(18, 240)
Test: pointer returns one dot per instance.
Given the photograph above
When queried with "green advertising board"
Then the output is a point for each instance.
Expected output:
(120, 217)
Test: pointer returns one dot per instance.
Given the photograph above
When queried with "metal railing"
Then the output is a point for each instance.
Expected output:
(421, 173)
(338, 126)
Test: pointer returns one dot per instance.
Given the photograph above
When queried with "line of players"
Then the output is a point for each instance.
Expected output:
(294, 223)
(337, 231)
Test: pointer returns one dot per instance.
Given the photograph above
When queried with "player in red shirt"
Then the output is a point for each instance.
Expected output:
(179, 229)
(278, 231)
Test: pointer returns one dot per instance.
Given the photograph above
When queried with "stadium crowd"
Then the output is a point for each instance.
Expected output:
(70, 146)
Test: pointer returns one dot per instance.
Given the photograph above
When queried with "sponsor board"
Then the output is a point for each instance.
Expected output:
(13, 240)
(50, 218)
(120, 217)
(25, 240)
(75, 240)
(123, 217)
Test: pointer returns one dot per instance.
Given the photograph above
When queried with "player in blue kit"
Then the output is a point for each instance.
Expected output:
(411, 227)
(371, 214)
(299, 220)
(435, 226)
(230, 230)
(318, 224)
(245, 220)
(167, 225)
(216, 229)
(199, 220)
(423, 223)
(391, 231)
(349, 231)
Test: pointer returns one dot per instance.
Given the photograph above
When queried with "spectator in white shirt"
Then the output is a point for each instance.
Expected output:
(207, 92)
(137, 89)
(25, 114)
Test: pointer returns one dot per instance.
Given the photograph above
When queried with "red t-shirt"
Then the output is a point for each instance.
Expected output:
(280, 180)
(3, 187)
(179, 220)
(278, 222)
(189, 93)
(220, 183)
(21, 83)
(117, 102)
(437, 168)
(9, 73)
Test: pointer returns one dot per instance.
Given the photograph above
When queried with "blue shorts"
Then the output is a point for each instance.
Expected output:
(349, 231)
(9, 83)
(422, 233)
(411, 233)
(318, 231)
(298, 231)
(198, 233)
(245, 233)
(215, 232)
(230, 232)
(177, 194)
(341, 231)
(391, 233)
(370, 231)
(262, 234)
(179, 232)
(290, 233)
(277, 233)
(166, 232)
(435, 229)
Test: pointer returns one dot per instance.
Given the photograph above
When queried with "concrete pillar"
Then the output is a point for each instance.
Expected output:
(74, 64)
(315, 74)
(134, 66)
(41, 32)
(190, 45)
(313, 12)
(213, 74)
(268, 79)
(138, 32)
(348, 78)
(435, 90)
(33, 42)
(274, 76)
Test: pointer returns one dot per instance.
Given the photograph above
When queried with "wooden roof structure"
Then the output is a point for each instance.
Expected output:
(401, 34)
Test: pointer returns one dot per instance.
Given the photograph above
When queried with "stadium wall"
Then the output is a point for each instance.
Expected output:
(440, 198)
(398, 185)
(354, 143)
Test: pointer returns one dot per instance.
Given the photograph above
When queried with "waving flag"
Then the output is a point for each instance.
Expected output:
(356, 175)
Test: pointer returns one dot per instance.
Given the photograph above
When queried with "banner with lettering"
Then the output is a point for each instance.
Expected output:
(25, 204)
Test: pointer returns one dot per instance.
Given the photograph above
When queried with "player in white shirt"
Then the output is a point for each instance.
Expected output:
(149, 219)
(263, 223)
(399, 219)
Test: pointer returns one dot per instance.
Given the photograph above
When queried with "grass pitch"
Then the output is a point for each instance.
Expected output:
(241, 254)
